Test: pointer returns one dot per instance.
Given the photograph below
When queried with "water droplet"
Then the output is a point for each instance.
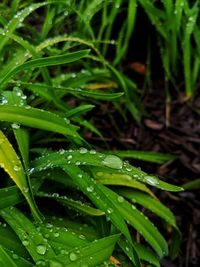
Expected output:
(113, 162)
(93, 152)
(90, 188)
(80, 175)
(17, 168)
(69, 157)
(41, 249)
(56, 234)
(127, 248)
(61, 151)
(81, 236)
(120, 199)
(25, 189)
(109, 210)
(25, 243)
(72, 256)
(55, 195)
(15, 256)
(133, 207)
(15, 126)
(151, 180)
(129, 168)
(83, 150)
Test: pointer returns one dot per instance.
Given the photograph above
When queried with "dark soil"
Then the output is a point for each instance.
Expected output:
(182, 138)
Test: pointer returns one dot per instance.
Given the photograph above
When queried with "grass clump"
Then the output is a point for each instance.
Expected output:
(86, 205)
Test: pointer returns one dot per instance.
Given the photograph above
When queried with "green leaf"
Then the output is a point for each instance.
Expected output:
(143, 253)
(42, 88)
(145, 156)
(10, 241)
(10, 162)
(28, 234)
(17, 98)
(139, 222)
(192, 185)
(105, 163)
(44, 62)
(10, 196)
(5, 259)
(37, 118)
(62, 236)
(93, 253)
(150, 203)
(20, 261)
(77, 205)
(120, 179)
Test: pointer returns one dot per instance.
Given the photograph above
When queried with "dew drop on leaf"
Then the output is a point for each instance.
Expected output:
(17, 168)
(83, 150)
(15, 126)
(151, 180)
(93, 152)
(56, 234)
(25, 243)
(109, 210)
(113, 162)
(15, 256)
(41, 249)
(72, 256)
(120, 199)
(90, 188)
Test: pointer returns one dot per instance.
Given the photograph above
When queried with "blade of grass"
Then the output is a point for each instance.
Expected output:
(44, 62)
(13, 166)
(37, 118)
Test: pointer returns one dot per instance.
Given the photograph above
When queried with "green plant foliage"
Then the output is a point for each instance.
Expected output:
(54, 69)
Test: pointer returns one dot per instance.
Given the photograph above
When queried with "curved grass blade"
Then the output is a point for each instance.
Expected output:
(10, 241)
(145, 156)
(17, 20)
(78, 229)
(19, 261)
(120, 179)
(139, 222)
(150, 203)
(16, 97)
(146, 255)
(76, 205)
(192, 185)
(79, 110)
(43, 89)
(93, 253)
(37, 118)
(62, 236)
(96, 193)
(5, 259)
(143, 253)
(30, 237)
(44, 62)
(10, 196)
(10, 162)
(106, 163)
